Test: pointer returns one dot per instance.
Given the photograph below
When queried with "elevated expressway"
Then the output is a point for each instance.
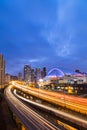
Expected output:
(70, 102)
(30, 119)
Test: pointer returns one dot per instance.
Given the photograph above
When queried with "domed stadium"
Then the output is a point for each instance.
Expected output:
(53, 76)
(55, 73)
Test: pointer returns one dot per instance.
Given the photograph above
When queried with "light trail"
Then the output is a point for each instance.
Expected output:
(63, 114)
(56, 98)
(27, 115)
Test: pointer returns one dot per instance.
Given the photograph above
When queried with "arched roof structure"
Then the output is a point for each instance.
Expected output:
(55, 72)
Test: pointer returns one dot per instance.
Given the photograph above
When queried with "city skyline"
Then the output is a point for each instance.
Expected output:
(44, 34)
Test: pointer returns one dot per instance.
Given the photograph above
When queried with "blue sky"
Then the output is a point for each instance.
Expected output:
(51, 33)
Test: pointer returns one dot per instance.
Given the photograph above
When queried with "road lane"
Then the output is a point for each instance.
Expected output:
(30, 119)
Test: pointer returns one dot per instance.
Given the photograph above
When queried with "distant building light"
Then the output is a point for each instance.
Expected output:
(40, 80)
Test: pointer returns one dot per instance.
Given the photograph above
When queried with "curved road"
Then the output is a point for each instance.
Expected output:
(28, 117)
(53, 97)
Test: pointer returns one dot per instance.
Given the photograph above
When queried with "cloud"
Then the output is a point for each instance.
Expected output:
(65, 10)
(40, 33)
(37, 60)
(61, 33)
(18, 63)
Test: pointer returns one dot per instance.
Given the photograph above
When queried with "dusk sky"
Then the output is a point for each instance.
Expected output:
(50, 33)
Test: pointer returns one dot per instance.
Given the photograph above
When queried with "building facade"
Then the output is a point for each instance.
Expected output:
(2, 71)
(27, 73)
(38, 73)
(20, 76)
(43, 72)
(7, 78)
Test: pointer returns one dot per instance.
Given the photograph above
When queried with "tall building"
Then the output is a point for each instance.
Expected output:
(27, 73)
(43, 72)
(38, 73)
(2, 71)
(20, 76)
(32, 75)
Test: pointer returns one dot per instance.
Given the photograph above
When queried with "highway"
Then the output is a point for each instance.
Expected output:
(53, 97)
(30, 119)
(71, 102)
(74, 118)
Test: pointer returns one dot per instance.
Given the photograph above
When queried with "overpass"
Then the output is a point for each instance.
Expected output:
(61, 100)
(25, 116)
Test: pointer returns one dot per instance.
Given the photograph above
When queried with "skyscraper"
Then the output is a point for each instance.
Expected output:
(44, 72)
(38, 73)
(2, 71)
(32, 75)
(27, 73)
(20, 76)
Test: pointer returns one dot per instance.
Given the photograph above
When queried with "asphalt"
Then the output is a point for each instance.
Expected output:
(6, 121)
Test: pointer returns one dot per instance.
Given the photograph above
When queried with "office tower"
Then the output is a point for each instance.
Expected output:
(2, 71)
(27, 73)
(32, 75)
(38, 73)
(44, 72)
(20, 76)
